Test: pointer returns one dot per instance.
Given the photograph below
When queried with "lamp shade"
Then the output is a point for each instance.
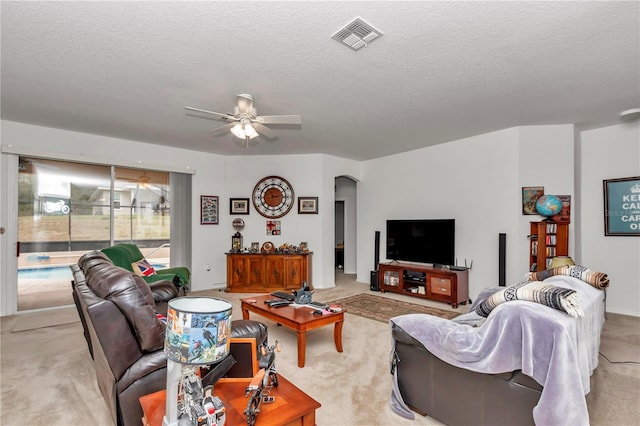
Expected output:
(198, 330)
(561, 261)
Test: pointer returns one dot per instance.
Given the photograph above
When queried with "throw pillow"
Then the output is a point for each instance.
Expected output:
(563, 299)
(597, 279)
(143, 268)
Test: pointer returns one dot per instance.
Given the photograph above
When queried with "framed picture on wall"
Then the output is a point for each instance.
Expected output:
(622, 206)
(307, 205)
(208, 210)
(238, 206)
(530, 195)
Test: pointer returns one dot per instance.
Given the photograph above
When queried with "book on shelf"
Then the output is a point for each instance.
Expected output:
(393, 280)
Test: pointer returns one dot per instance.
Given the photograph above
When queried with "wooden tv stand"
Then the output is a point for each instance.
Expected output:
(440, 284)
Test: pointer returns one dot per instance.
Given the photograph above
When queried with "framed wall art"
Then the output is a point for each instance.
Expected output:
(565, 212)
(238, 206)
(530, 195)
(622, 206)
(209, 210)
(307, 205)
(274, 227)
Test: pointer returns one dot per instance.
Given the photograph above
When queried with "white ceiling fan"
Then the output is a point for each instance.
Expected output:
(245, 123)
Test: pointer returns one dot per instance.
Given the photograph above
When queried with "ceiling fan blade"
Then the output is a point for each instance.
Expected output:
(264, 131)
(222, 129)
(225, 116)
(279, 119)
(245, 103)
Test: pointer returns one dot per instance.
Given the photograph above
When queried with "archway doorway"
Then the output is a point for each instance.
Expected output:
(345, 226)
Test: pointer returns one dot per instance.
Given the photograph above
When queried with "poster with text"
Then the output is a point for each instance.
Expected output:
(622, 206)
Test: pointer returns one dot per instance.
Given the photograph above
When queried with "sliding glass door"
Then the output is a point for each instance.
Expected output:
(66, 209)
(141, 212)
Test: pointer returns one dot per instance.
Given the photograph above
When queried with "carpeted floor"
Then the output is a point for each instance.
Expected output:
(48, 378)
(43, 319)
(381, 308)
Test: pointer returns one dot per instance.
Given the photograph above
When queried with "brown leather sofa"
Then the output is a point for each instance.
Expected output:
(125, 337)
(455, 396)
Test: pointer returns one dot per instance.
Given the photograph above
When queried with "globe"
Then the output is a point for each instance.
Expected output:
(548, 205)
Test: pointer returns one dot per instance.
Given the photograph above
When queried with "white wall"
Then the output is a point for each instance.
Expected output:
(304, 173)
(226, 177)
(477, 181)
(545, 158)
(609, 153)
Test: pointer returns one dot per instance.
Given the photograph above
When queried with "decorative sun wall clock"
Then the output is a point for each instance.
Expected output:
(273, 197)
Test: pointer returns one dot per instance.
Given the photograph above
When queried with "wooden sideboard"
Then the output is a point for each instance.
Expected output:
(255, 272)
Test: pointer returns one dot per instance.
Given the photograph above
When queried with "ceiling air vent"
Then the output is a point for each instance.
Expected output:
(357, 34)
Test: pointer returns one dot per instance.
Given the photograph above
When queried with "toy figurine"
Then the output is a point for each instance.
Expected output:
(265, 379)
(198, 406)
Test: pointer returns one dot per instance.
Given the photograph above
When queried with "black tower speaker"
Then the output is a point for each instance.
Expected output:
(502, 259)
(373, 285)
(376, 253)
(376, 259)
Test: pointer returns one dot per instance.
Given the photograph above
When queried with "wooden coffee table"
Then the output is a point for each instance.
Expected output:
(300, 319)
(291, 405)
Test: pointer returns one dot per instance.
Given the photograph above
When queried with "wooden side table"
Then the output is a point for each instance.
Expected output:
(292, 407)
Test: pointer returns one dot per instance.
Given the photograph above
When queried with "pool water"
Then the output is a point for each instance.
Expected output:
(53, 273)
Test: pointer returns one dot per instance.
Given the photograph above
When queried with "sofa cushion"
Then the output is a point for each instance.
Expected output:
(143, 268)
(146, 291)
(134, 298)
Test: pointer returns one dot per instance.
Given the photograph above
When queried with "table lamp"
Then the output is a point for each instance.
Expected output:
(198, 334)
(561, 261)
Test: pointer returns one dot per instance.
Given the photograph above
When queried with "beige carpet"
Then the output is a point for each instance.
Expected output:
(43, 319)
(47, 375)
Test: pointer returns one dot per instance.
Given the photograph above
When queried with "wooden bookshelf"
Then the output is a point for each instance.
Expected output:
(546, 241)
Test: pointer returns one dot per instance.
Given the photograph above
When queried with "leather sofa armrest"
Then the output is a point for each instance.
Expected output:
(145, 365)
(402, 336)
(163, 290)
(117, 342)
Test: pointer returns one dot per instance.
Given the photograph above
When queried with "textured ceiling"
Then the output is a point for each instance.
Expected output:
(442, 71)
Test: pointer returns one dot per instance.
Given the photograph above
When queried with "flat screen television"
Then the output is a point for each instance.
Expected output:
(422, 240)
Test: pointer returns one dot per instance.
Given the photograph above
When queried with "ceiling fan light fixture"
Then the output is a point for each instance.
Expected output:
(244, 130)
(250, 131)
(237, 131)
(244, 116)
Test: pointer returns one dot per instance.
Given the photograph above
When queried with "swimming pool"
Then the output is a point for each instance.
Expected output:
(62, 272)
(47, 273)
